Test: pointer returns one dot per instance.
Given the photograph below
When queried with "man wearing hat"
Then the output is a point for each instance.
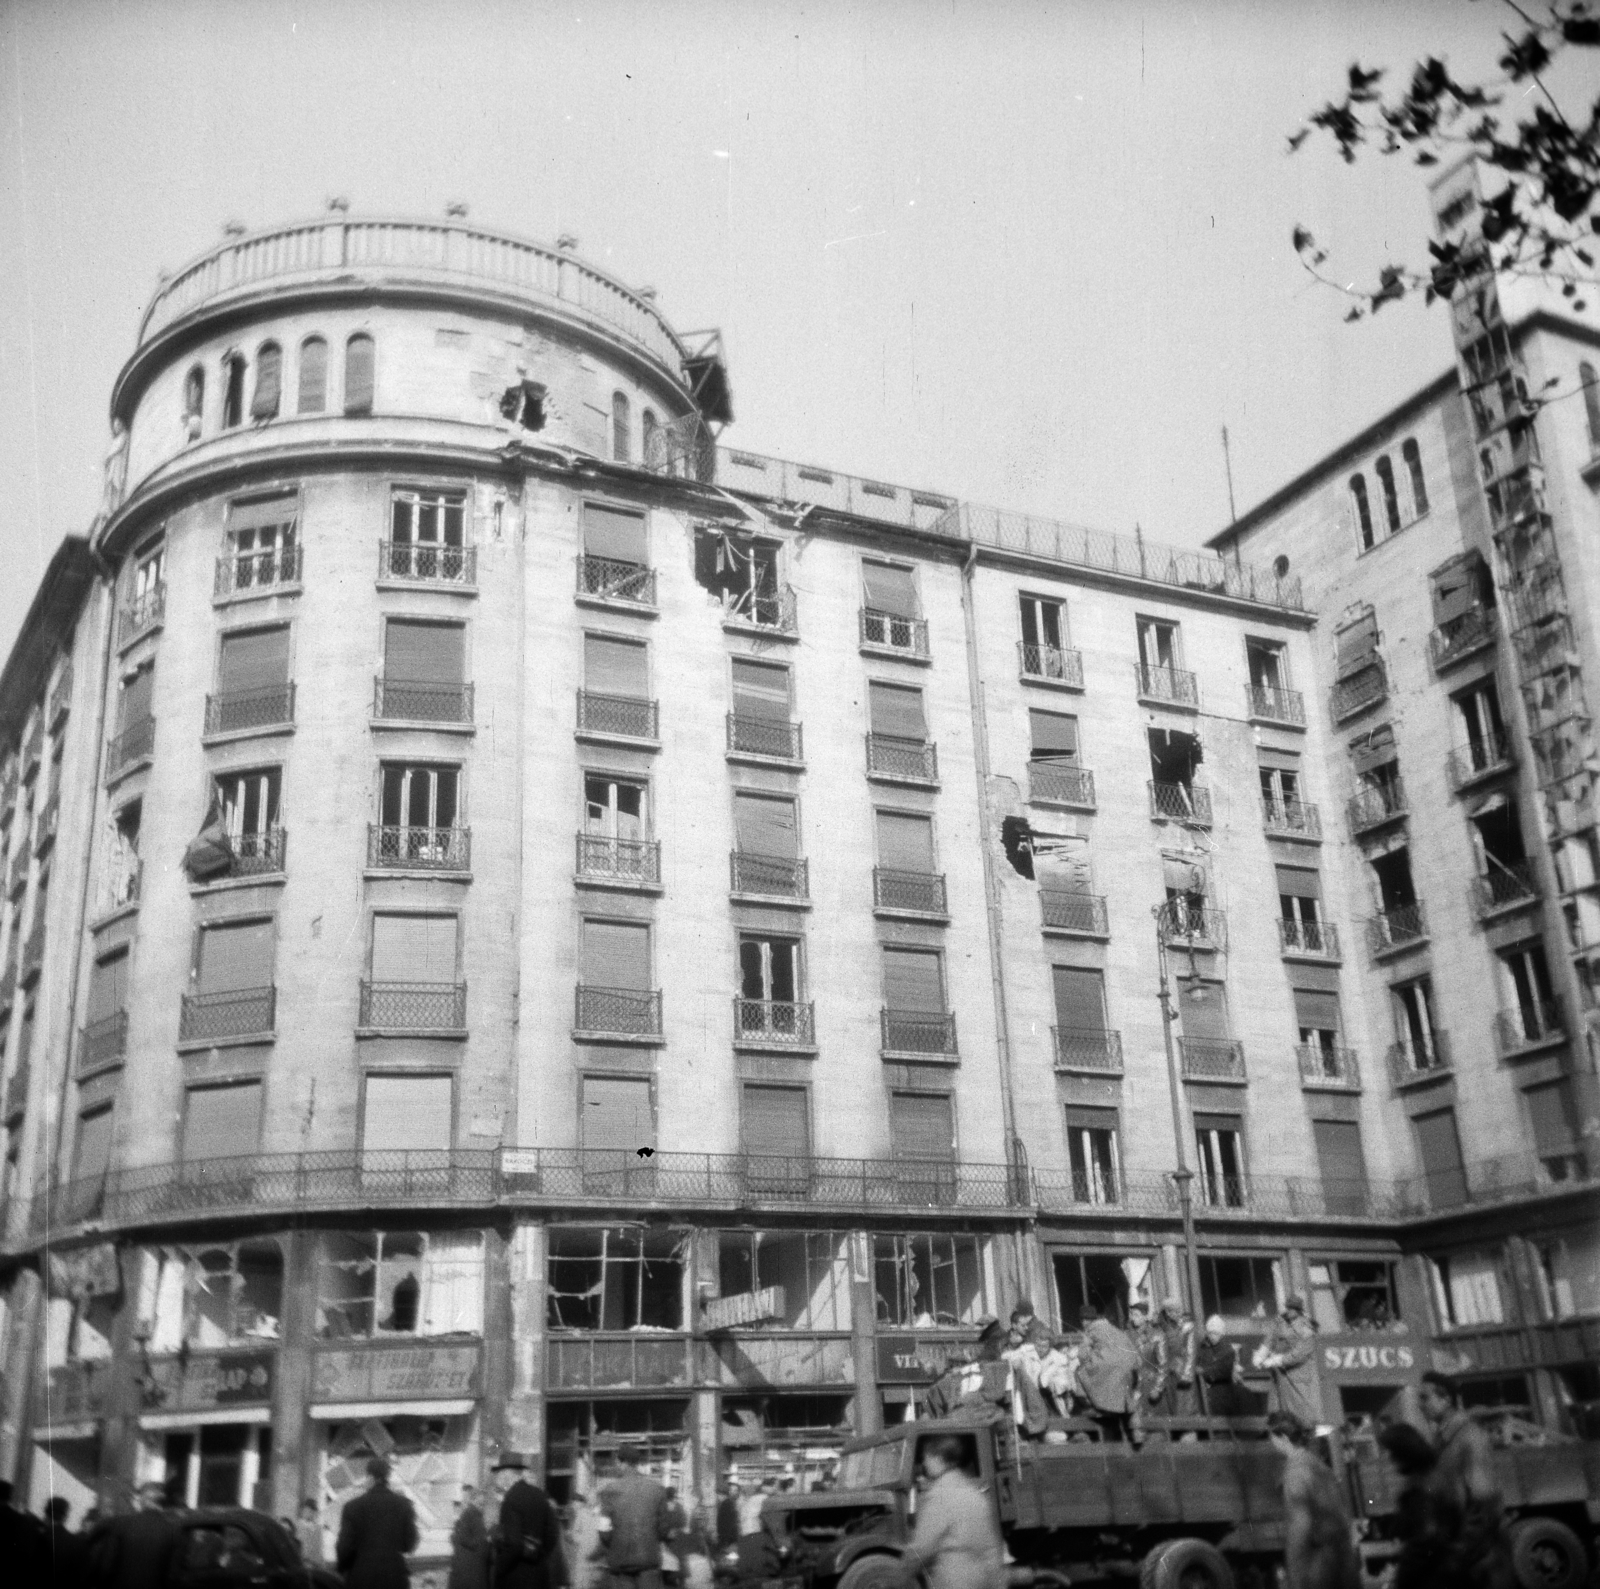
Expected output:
(377, 1531)
(527, 1538)
(640, 1521)
(1289, 1355)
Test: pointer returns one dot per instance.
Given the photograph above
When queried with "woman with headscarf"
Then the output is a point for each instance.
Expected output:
(1217, 1371)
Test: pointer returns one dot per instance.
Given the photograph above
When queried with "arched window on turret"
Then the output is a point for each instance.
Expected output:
(1419, 487)
(621, 428)
(359, 359)
(194, 402)
(233, 391)
(313, 376)
(269, 383)
(647, 437)
(1358, 495)
(1391, 498)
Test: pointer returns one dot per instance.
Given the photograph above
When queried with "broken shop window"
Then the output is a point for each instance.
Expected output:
(926, 1281)
(213, 1295)
(399, 1282)
(427, 1460)
(786, 1280)
(740, 571)
(616, 1278)
(1354, 1294)
(523, 405)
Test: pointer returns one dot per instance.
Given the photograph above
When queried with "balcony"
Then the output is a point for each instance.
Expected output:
(240, 1012)
(610, 579)
(1168, 686)
(33, 748)
(919, 1032)
(122, 885)
(1212, 1059)
(419, 849)
(17, 877)
(765, 1023)
(769, 876)
(8, 984)
(617, 1012)
(133, 745)
(773, 612)
(257, 854)
(1487, 758)
(1058, 665)
(1218, 1193)
(1087, 1049)
(413, 1006)
(421, 701)
(102, 1043)
(1461, 637)
(909, 893)
(1328, 1069)
(427, 563)
(272, 707)
(1504, 888)
(1413, 1060)
(1055, 783)
(628, 863)
(55, 713)
(896, 759)
(768, 737)
(142, 615)
(1359, 692)
(618, 717)
(1189, 804)
(1378, 806)
(1309, 940)
(1393, 931)
(241, 572)
(33, 953)
(890, 634)
(9, 780)
(1537, 1024)
(44, 830)
(1268, 704)
(1070, 914)
(1184, 924)
(1291, 819)
(16, 1094)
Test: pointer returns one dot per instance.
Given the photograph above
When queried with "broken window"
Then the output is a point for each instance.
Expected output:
(1092, 1151)
(1173, 758)
(216, 1295)
(1354, 1294)
(616, 1278)
(1356, 644)
(399, 1282)
(613, 807)
(1363, 510)
(769, 969)
(1497, 836)
(1280, 788)
(1525, 979)
(808, 1269)
(421, 802)
(1241, 1288)
(1393, 874)
(1159, 646)
(1111, 1282)
(1478, 716)
(523, 404)
(1266, 662)
(1413, 1022)
(927, 1280)
(1044, 628)
(122, 859)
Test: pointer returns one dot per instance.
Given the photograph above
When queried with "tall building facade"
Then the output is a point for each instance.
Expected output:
(528, 927)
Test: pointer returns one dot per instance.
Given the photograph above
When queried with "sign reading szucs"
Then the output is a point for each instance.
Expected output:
(1363, 1358)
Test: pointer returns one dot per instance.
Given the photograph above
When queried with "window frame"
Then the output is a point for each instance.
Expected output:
(615, 637)
(433, 766)
(611, 919)
(360, 334)
(1027, 598)
(928, 817)
(902, 566)
(300, 407)
(430, 912)
(244, 918)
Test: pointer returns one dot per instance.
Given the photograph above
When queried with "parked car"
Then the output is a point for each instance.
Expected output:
(227, 1547)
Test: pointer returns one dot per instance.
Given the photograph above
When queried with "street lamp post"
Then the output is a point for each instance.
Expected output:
(1183, 1175)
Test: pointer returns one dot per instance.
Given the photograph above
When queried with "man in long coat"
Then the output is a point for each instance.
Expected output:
(1465, 1473)
(640, 1521)
(1289, 1355)
(1108, 1365)
(527, 1537)
(377, 1531)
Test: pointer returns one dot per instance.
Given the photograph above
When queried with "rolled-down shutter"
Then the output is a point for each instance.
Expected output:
(269, 382)
(614, 667)
(1299, 882)
(263, 512)
(91, 1154)
(221, 1122)
(1055, 736)
(890, 590)
(1553, 1116)
(897, 710)
(108, 986)
(610, 532)
(1357, 643)
(764, 826)
(912, 980)
(255, 660)
(414, 949)
(359, 359)
(1455, 590)
(1316, 1012)
(423, 653)
(617, 1113)
(776, 1122)
(760, 689)
(137, 693)
(235, 956)
(313, 376)
(1439, 1147)
(1205, 1018)
(407, 1113)
(1373, 750)
(616, 954)
(1080, 999)
(1339, 1153)
(905, 842)
(921, 1127)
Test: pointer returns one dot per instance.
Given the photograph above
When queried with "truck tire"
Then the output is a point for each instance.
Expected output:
(1546, 1554)
(872, 1572)
(1186, 1564)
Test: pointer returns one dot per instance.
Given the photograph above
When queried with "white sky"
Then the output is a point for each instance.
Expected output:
(1025, 253)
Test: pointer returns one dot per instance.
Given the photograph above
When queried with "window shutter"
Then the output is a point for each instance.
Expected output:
(1055, 736)
(108, 987)
(617, 1114)
(1316, 1012)
(1455, 590)
(423, 653)
(896, 710)
(269, 382)
(609, 532)
(413, 948)
(1205, 1018)
(921, 1127)
(1211, 1122)
(407, 1113)
(890, 590)
(257, 660)
(263, 512)
(765, 827)
(221, 1122)
(775, 1122)
(1357, 643)
(236, 956)
(1299, 882)
(91, 1155)
(905, 842)
(1439, 1146)
(1554, 1117)
(313, 376)
(358, 374)
(912, 980)
(1376, 749)
(1080, 999)
(616, 954)
(1083, 1119)
(1339, 1153)
(136, 696)
(760, 689)
(614, 667)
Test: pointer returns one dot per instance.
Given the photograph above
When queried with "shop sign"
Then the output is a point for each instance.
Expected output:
(748, 1307)
(917, 1360)
(225, 1379)
(448, 1372)
(1369, 1358)
(756, 1361)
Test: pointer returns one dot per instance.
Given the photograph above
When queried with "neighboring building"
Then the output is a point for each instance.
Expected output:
(587, 933)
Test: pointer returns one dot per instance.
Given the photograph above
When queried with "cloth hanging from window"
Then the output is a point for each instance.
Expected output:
(210, 851)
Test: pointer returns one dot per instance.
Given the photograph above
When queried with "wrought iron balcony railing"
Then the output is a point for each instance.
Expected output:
(1489, 756)
(1458, 639)
(619, 716)
(134, 743)
(1381, 803)
(1221, 1191)
(17, 877)
(1419, 1059)
(773, 1023)
(1296, 819)
(142, 614)
(102, 1043)
(1051, 664)
(764, 736)
(1275, 705)
(1360, 691)
(421, 701)
(255, 853)
(420, 849)
(240, 1012)
(919, 1032)
(920, 892)
(612, 579)
(60, 698)
(1175, 686)
(414, 1006)
(241, 571)
(239, 709)
(1212, 1059)
(1183, 923)
(1529, 1025)
(1181, 802)
(1329, 1067)
(427, 562)
(1065, 911)
(618, 1012)
(776, 610)
(1503, 887)
(1088, 1048)
(775, 876)
(1308, 938)
(620, 860)
(1397, 928)
(1060, 783)
(44, 829)
(9, 779)
(903, 760)
(890, 632)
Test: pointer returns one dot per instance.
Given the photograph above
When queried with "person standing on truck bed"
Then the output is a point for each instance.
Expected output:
(1318, 1551)
(1108, 1364)
(1151, 1346)
(1466, 1474)
(1217, 1371)
(956, 1541)
(1177, 1335)
(1289, 1355)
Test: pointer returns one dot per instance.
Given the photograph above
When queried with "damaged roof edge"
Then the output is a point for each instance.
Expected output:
(55, 604)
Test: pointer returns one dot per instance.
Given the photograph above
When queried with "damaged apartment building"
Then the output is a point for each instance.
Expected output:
(528, 927)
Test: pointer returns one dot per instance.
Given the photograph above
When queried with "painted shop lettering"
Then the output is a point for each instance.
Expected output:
(1339, 1357)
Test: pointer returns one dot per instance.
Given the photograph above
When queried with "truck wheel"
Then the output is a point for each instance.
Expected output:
(1546, 1554)
(872, 1572)
(1186, 1564)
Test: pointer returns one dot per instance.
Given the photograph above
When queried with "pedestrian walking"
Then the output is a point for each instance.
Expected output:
(136, 1550)
(469, 1544)
(526, 1548)
(1218, 1372)
(377, 1531)
(1289, 1355)
(956, 1541)
(728, 1528)
(1465, 1473)
(1319, 1552)
(1427, 1520)
(637, 1507)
